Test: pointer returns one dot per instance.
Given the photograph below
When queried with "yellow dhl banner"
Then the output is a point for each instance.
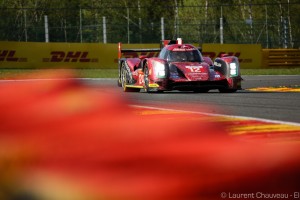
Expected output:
(249, 55)
(57, 55)
(17, 55)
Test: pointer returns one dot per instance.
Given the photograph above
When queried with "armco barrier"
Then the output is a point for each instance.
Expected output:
(273, 58)
(33, 55)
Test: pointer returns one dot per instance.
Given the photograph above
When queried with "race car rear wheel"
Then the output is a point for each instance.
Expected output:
(146, 78)
(126, 79)
(123, 75)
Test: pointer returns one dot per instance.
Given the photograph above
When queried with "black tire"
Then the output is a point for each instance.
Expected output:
(201, 90)
(119, 83)
(146, 78)
(226, 90)
(120, 79)
(125, 79)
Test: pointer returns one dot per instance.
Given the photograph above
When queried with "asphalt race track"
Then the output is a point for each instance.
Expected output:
(282, 106)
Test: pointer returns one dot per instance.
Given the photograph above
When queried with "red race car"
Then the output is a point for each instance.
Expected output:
(176, 66)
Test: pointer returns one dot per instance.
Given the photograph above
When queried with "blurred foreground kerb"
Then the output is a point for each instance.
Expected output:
(60, 140)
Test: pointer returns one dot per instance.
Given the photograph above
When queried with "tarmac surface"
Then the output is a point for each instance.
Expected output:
(267, 104)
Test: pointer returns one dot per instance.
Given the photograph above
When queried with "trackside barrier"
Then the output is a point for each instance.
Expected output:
(273, 58)
(249, 55)
(37, 55)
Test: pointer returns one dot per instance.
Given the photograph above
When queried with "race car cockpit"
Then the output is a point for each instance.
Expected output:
(184, 56)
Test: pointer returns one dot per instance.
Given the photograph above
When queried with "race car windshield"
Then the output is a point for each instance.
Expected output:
(184, 56)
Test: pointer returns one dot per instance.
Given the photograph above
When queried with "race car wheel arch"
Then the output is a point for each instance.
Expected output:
(221, 66)
(231, 86)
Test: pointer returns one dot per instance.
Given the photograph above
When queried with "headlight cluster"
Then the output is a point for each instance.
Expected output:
(160, 70)
(233, 69)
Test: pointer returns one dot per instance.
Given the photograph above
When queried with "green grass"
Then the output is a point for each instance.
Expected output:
(97, 73)
(286, 71)
(81, 73)
(113, 73)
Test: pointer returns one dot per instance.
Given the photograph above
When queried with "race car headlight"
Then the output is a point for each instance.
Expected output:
(160, 70)
(233, 69)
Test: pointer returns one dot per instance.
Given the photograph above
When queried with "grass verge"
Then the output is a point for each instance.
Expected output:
(288, 71)
(80, 73)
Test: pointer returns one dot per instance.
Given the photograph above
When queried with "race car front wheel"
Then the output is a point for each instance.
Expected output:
(147, 82)
(146, 78)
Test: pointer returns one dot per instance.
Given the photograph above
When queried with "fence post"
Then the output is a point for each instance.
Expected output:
(80, 24)
(46, 29)
(285, 38)
(25, 24)
(221, 26)
(128, 31)
(104, 31)
(162, 29)
(267, 33)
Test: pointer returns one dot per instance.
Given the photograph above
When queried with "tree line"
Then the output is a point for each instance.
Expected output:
(272, 23)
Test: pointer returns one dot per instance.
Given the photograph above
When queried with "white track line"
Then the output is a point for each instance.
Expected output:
(221, 115)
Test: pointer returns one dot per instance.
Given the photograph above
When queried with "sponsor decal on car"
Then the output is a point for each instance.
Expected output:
(183, 49)
(194, 68)
(217, 64)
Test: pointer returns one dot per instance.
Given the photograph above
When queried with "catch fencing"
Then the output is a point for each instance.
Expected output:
(269, 24)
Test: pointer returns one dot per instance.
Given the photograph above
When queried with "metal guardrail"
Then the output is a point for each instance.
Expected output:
(280, 58)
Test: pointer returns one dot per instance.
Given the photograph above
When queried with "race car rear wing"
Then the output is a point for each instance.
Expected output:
(133, 52)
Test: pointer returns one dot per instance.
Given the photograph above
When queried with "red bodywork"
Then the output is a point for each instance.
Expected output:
(177, 67)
